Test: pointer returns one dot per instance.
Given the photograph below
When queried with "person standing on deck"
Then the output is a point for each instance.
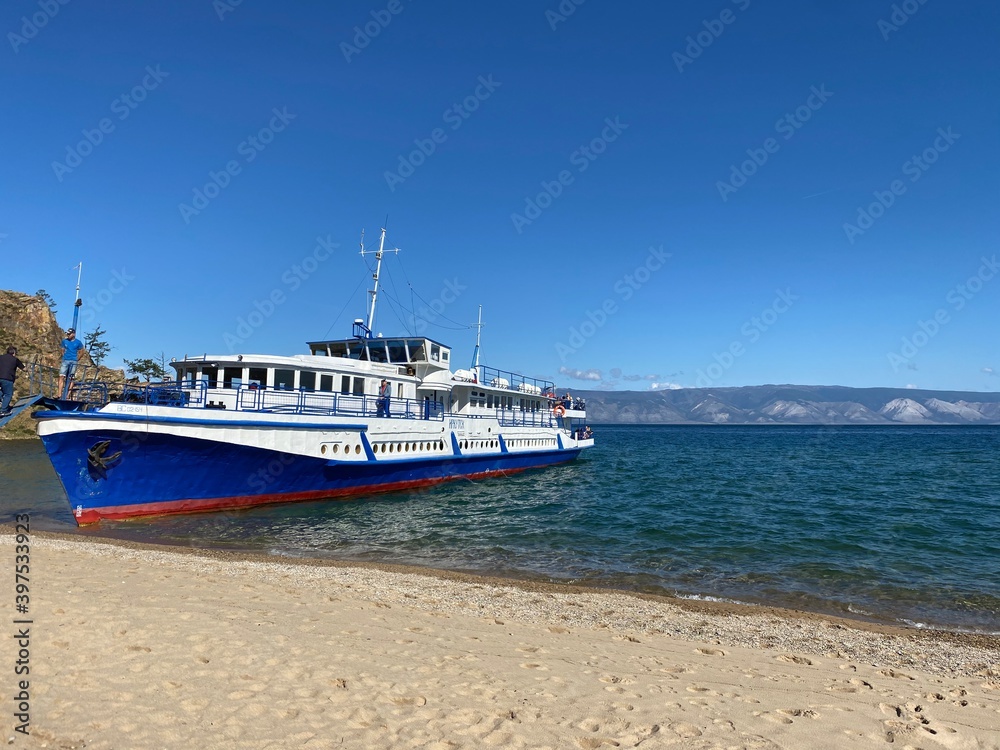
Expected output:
(9, 365)
(67, 368)
(383, 398)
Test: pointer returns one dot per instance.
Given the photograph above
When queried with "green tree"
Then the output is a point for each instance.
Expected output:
(96, 346)
(149, 369)
(47, 299)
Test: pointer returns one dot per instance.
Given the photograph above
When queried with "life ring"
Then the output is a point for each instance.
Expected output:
(559, 410)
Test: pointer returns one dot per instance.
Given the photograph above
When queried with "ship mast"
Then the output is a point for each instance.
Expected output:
(78, 302)
(479, 332)
(373, 292)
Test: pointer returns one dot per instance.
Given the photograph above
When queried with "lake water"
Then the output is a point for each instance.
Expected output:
(895, 524)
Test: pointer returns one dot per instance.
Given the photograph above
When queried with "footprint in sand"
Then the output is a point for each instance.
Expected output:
(793, 659)
(894, 673)
(684, 730)
(710, 651)
(534, 665)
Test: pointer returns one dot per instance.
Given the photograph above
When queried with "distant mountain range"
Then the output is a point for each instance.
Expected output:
(792, 404)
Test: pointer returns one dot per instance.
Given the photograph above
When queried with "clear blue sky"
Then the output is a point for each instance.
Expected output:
(737, 138)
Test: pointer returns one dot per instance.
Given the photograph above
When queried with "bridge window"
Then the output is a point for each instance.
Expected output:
(232, 377)
(435, 352)
(284, 379)
(397, 352)
(258, 376)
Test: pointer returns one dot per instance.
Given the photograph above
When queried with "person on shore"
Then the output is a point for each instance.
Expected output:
(67, 368)
(9, 365)
(383, 398)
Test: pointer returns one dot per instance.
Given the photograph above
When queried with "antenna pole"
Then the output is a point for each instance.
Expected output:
(479, 332)
(78, 302)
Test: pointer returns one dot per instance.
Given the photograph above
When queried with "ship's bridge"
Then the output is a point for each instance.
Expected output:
(402, 351)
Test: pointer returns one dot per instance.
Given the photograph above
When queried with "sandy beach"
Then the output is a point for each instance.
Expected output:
(142, 647)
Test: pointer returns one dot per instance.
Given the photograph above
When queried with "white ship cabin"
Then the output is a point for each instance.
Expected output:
(344, 376)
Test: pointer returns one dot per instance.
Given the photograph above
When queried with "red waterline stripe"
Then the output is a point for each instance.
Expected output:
(170, 507)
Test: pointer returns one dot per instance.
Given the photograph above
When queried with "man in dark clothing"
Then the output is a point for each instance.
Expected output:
(9, 365)
(383, 398)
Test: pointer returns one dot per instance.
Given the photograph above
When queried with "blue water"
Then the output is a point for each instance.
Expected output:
(898, 524)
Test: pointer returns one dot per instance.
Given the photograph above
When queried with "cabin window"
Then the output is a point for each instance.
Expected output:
(489, 401)
(258, 377)
(444, 355)
(210, 375)
(359, 386)
(307, 381)
(232, 377)
(326, 383)
(399, 391)
(284, 379)
(435, 352)
(345, 384)
(397, 352)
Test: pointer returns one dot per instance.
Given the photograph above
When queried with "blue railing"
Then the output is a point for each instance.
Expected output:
(518, 418)
(513, 381)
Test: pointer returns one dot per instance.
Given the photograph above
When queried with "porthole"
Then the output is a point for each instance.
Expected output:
(357, 449)
(406, 448)
(322, 449)
(336, 449)
(399, 447)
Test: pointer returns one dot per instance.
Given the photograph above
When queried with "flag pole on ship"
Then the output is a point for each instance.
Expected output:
(79, 302)
(479, 332)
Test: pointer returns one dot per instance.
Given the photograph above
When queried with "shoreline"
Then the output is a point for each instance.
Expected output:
(812, 625)
(133, 645)
(695, 604)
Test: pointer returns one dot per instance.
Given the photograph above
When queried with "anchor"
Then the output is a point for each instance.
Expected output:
(96, 458)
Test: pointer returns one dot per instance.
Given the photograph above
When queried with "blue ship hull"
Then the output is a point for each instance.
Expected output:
(160, 473)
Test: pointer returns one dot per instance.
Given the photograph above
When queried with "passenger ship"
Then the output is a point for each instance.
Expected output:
(241, 430)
